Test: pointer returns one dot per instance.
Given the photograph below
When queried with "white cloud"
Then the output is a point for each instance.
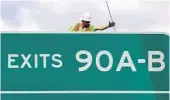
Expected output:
(120, 5)
(55, 6)
(5, 26)
(27, 23)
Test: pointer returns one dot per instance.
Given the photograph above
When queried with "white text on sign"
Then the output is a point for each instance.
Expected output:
(58, 63)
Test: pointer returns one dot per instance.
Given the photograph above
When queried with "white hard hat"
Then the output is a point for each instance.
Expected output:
(86, 17)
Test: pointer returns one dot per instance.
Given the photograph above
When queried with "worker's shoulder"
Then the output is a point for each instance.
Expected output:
(71, 28)
(73, 25)
(76, 24)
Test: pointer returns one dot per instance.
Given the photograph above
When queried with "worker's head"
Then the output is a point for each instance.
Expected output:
(86, 19)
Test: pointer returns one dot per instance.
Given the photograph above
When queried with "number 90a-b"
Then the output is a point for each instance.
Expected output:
(122, 63)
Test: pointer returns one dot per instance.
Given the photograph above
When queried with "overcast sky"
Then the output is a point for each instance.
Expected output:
(59, 15)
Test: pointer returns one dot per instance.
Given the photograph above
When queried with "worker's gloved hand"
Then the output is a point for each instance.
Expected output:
(111, 24)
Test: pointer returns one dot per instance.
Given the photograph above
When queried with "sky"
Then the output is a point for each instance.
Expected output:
(59, 15)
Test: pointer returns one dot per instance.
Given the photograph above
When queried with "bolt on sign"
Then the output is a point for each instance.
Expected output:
(79, 66)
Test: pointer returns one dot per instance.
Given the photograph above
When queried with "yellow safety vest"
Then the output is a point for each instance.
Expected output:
(78, 28)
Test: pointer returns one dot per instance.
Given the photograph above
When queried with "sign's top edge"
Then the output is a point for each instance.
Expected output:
(52, 32)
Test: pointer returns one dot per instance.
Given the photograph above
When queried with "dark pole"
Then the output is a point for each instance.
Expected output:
(110, 15)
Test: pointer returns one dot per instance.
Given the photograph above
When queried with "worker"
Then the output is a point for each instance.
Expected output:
(85, 25)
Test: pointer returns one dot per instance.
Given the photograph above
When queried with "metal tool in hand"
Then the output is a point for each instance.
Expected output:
(110, 15)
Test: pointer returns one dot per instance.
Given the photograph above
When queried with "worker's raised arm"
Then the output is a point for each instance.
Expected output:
(111, 24)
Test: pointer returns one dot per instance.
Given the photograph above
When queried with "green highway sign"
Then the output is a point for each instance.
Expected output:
(76, 66)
